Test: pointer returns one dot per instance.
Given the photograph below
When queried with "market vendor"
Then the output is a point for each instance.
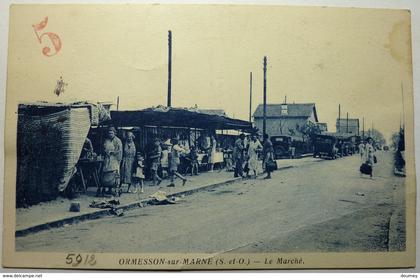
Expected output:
(112, 147)
(205, 143)
(87, 150)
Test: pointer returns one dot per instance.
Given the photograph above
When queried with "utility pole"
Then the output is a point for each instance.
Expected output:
(265, 95)
(363, 130)
(250, 96)
(339, 118)
(403, 106)
(118, 102)
(347, 123)
(169, 68)
(371, 130)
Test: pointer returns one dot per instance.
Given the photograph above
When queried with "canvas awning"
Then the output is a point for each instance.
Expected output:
(176, 117)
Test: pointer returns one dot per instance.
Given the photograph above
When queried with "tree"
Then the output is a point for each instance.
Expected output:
(308, 130)
(377, 136)
(395, 139)
(398, 144)
(281, 125)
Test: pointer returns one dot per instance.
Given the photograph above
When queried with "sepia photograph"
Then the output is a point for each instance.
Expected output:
(209, 137)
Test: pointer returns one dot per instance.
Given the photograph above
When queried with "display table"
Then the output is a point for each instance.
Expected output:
(89, 168)
(218, 157)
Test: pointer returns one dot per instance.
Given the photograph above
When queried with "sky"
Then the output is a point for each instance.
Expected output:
(358, 58)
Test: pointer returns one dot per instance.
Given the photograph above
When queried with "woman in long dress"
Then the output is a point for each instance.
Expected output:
(110, 174)
(129, 155)
(254, 146)
(212, 153)
(370, 154)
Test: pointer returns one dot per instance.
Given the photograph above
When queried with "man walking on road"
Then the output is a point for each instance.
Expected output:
(238, 154)
(254, 148)
(268, 153)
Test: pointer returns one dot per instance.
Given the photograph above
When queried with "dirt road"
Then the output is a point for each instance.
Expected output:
(323, 206)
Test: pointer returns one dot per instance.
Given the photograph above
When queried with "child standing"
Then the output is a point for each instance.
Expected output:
(193, 157)
(165, 160)
(138, 174)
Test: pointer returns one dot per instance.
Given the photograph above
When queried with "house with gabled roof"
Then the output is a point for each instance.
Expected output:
(286, 119)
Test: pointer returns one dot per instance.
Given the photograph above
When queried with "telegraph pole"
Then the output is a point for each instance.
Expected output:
(250, 96)
(347, 123)
(169, 68)
(118, 102)
(339, 118)
(363, 130)
(265, 95)
(403, 106)
(371, 130)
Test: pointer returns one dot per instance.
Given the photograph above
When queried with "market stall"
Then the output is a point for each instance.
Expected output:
(50, 138)
(188, 125)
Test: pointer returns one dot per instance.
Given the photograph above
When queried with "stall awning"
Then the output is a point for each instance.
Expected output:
(176, 117)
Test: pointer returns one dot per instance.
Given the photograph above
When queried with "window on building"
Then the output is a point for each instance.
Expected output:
(284, 109)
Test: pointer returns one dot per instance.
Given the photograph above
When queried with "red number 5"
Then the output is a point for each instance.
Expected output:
(54, 38)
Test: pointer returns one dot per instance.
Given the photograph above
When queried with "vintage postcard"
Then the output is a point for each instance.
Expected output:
(209, 137)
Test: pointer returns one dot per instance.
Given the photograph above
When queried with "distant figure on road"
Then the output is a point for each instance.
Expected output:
(268, 154)
(254, 147)
(238, 154)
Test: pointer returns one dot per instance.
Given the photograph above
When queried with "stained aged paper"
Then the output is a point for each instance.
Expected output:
(135, 137)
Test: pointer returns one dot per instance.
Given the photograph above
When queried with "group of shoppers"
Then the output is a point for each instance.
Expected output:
(246, 153)
(123, 164)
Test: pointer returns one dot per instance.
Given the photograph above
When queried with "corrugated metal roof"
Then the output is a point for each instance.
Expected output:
(176, 117)
(98, 113)
(218, 112)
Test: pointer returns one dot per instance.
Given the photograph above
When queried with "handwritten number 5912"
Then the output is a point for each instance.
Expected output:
(54, 38)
